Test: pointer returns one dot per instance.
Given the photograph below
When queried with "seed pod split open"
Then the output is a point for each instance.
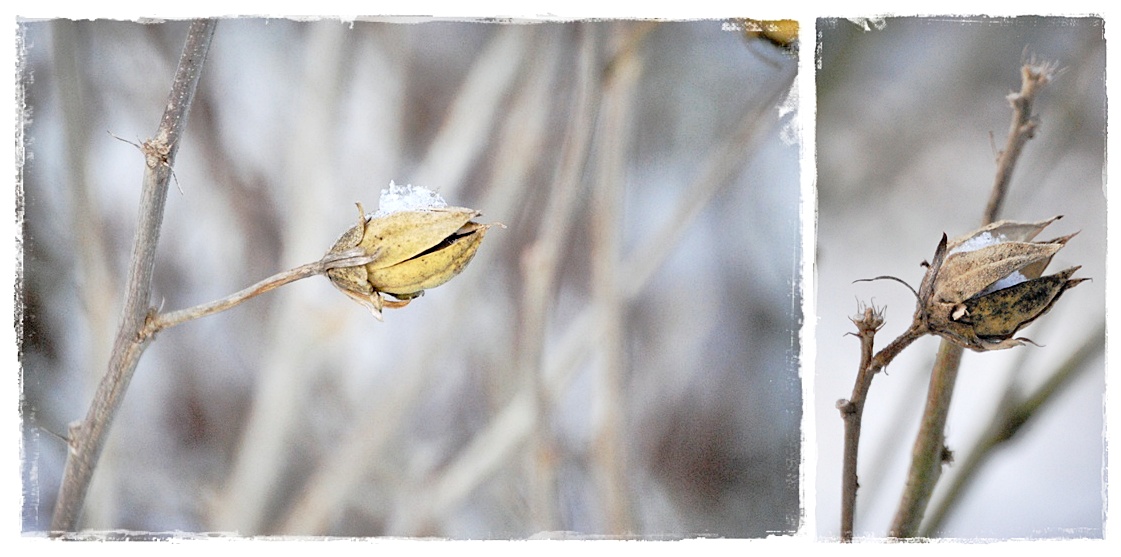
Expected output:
(416, 250)
(983, 288)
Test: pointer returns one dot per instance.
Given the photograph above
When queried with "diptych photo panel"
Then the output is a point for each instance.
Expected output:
(602, 217)
(814, 280)
(989, 423)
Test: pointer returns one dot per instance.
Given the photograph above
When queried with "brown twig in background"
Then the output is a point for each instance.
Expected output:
(87, 438)
(927, 455)
(609, 406)
(513, 426)
(540, 266)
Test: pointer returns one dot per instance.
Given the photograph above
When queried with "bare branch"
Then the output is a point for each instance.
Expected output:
(927, 455)
(852, 410)
(349, 258)
(88, 436)
(1033, 78)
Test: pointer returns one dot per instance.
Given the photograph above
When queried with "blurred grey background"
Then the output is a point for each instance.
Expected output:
(621, 359)
(910, 115)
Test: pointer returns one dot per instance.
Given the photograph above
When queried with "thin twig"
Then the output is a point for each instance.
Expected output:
(610, 458)
(540, 268)
(87, 438)
(1033, 78)
(348, 258)
(852, 410)
(927, 455)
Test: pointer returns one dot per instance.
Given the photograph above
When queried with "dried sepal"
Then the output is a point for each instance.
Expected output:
(1005, 230)
(983, 288)
(1005, 311)
(965, 275)
(416, 250)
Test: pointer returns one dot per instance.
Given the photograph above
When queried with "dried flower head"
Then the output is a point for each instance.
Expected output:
(984, 287)
(418, 246)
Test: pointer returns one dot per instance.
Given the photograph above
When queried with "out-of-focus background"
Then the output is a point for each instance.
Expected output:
(910, 115)
(621, 359)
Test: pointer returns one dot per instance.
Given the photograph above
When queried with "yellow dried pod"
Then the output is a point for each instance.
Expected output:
(416, 250)
(403, 234)
(983, 288)
(433, 266)
(782, 32)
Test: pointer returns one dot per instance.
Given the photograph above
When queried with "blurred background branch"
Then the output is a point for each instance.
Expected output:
(1008, 420)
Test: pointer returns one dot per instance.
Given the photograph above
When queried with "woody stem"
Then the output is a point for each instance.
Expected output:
(87, 437)
(852, 409)
(929, 448)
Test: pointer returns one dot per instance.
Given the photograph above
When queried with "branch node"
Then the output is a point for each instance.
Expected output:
(947, 455)
(73, 434)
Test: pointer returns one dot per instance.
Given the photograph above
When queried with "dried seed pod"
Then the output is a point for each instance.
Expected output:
(416, 250)
(782, 33)
(983, 288)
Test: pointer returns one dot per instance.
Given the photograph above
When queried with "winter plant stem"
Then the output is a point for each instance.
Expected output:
(1009, 419)
(1033, 77)
(348, 258)
(928, 453)
(87, 438)
(929, 450)
(853, 409)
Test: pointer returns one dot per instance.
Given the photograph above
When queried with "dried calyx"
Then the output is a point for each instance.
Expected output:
(979, 290)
